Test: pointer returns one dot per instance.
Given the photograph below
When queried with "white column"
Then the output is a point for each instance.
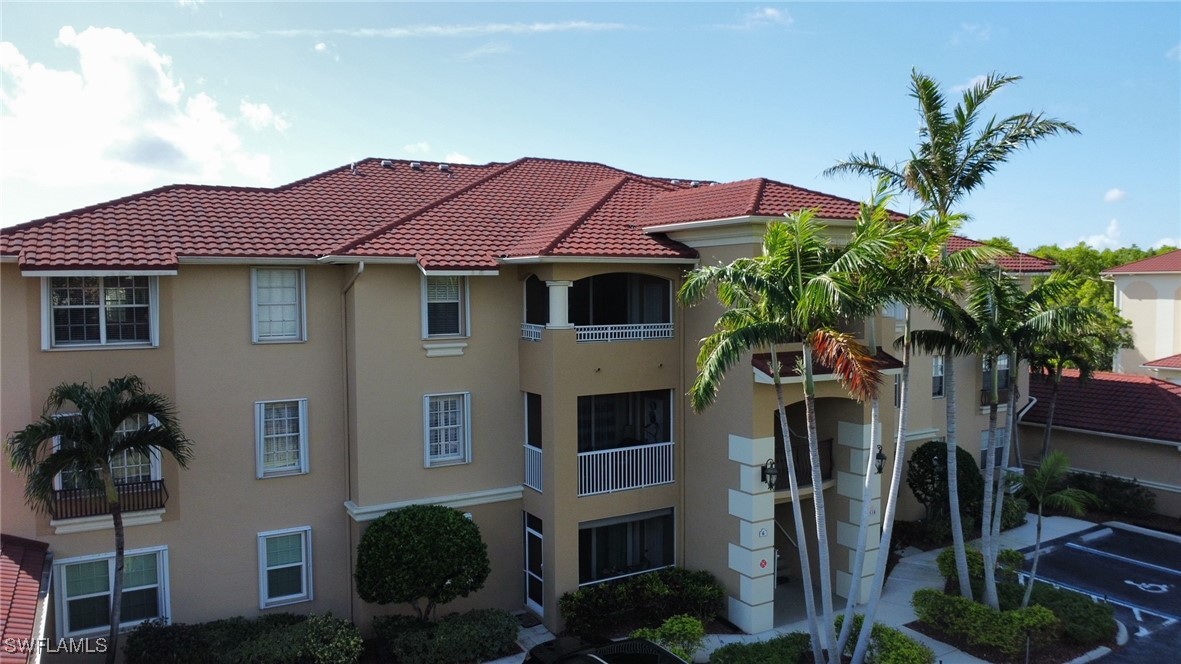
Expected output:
(753, 556)
(850, 481)
(559, 305)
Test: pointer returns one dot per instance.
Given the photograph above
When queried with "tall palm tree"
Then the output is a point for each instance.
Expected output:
(797, 290)
(83, 444)
(1044, 485)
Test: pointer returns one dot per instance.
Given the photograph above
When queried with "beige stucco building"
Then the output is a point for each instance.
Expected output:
(503, 339)
(1148, 293)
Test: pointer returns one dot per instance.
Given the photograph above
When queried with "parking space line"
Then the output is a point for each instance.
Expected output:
(1115, 556)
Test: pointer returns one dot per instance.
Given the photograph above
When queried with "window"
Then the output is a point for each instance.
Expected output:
(898, 391)
(448, 436)
(444, 306)
(279, 312)
(282, 437)
(128, 467)
(624, 419)
(84, 595)
(99, 311)
(937, 377)
(611, 548)
(533, 419)
(1002, 373)
(284, 567)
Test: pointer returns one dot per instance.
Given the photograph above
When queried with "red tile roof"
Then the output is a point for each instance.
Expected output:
(1170, 362)
(1111, 403)
(1170, 262)
(466, 217)
(22, 565)
(1017, 262)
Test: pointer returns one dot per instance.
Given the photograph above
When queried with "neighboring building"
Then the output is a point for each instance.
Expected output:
(501, 338)
(24, 598)
(1124, 425)
(1148, 293)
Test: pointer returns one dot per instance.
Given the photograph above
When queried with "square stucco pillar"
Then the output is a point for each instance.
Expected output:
(753, 555)
(855, 453)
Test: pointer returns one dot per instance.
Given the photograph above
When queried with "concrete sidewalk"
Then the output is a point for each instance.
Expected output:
(917, 569)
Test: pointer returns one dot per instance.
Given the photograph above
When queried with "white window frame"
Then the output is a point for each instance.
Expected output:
(154, 457)
(61, 601)
(265, 602)
(465, 443)
(1002, 362)
(48, 342)
(465, 322)
(301, 334)
(260, 440)
(938, 370)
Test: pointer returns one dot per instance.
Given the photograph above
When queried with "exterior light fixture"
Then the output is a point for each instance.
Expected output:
(879, 460)
(770, 474)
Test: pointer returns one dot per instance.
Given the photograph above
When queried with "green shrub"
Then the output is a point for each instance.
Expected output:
(475, 636)
(281, 638)
(980, 625)
(1008, 563)
(926, 475)
(886, 644)
(1084, 621)
(156, 641)
(645, 599)
(683, 635)
(794, 648)
(1116, 495)
(328, 640)
(1013, 512)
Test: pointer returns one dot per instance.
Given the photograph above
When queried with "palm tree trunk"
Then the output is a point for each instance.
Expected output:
(116, 587)
(953, 479)
(879, 579)
(863, 527)
(1037, 552)
(1010, 430)
(990, 596)
(818, 503)
(1057, 382)
(797, 513)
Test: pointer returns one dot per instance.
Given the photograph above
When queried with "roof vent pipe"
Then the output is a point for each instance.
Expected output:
(444, 168)
(416, 165)
(353, 168)
(386, 163)
(695, 183)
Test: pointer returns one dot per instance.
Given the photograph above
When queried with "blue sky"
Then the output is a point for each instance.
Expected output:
(103, 100)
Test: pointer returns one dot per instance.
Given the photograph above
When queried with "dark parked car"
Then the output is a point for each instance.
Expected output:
(571, 650)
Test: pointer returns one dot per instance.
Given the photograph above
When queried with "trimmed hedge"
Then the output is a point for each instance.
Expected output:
(1116, 495)
(1008, 562)
(794, 648)
(886, 644)
(646, 600)
(981, 626)
(682, 635)
(281, 638)
(474, 636)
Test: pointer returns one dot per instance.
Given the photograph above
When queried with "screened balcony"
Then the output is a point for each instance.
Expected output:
(624, 441)
(604, 308)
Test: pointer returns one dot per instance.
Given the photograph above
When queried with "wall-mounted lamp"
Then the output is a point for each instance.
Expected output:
(879, 460)
(770, 474)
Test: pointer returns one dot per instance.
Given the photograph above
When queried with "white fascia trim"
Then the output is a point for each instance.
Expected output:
(458, 273)
(620, 260)
(733, 221)
(922, 434)
(1138, 439)
(9, 259)
(364, 513)
(98, 273)
(377, 260)
(765, 378)
(87, 524)
(243, 260)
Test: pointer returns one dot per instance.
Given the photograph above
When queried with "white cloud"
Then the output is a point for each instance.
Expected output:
(120, 117)
(486, 50)
(193, 4)
(260, 116)
(324, 48)
(971, 32)
(1109, 239)
(421, 147)
(473, 30)
(1174, 53)
(1167, 242)
(768, 16)
(972, 82)
(1114, 195)
(457, 158)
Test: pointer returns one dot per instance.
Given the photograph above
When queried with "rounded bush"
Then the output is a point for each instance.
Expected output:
(926, 475)
(794, 648)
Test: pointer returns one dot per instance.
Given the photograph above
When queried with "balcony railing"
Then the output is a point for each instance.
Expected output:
(533, 467)
(531, 331)
(604, 471)
(1002, 396)
(587, 333)
(802, 456)
(134, 497)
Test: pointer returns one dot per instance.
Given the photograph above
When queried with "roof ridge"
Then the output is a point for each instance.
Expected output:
(385, 228)
(623, 179)
(1116, 269)
(758, 196)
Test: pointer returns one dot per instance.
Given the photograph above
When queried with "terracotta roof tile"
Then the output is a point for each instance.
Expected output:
(22, 564)
(1170, 362)
(1170, 262)
(1018, 262)
(1111, 403)
(759, 197)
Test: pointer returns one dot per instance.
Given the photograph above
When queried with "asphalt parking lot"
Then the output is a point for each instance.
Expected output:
(1137, 571)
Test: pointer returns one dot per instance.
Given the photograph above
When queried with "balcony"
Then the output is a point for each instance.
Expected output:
(531, 331)
(601, 308)
(1002, 396)
(134, 497)
(533, 467)
(803, 465)
(636, 332)
(622, 468)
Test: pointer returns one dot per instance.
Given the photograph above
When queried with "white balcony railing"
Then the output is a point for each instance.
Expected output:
(624, 468)
(533, 467)
(623, 332)
(531, 331)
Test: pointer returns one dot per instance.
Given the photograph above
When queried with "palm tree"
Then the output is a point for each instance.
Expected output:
(951, 161)
(798, 289)
(84, 445)
(1044, 485)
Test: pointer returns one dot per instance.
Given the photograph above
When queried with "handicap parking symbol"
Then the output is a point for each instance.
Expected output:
(1154, 588)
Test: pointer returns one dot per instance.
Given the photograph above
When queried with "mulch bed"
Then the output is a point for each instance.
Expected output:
(1056, 653)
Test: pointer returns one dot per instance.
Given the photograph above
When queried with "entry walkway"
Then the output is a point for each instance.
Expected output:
(917, 569)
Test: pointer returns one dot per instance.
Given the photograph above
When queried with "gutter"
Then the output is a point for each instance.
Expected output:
(39, 618)
(1136, 439)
